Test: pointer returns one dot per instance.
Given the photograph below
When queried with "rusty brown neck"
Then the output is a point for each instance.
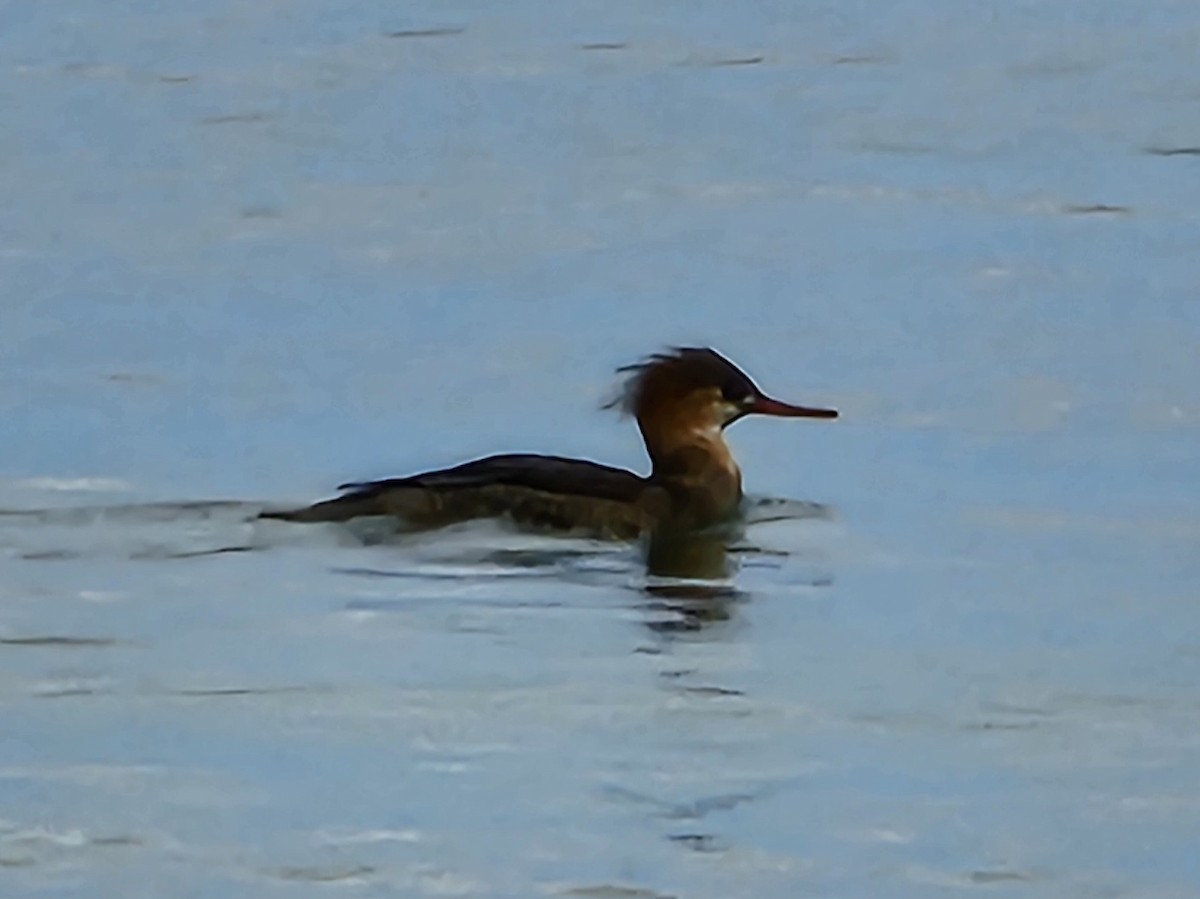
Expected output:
(696, 468)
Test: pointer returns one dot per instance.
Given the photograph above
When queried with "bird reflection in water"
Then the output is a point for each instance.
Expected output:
(690, 573)
(689, 580)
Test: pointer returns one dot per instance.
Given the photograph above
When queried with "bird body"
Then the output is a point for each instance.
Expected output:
(682, 401)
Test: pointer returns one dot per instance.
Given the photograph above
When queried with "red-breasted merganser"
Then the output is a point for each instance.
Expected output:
(682, 401)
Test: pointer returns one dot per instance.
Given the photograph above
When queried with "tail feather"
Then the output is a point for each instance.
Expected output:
(342, 508)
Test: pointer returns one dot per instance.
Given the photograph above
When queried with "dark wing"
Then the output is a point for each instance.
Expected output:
(548, 474)
(540, 491)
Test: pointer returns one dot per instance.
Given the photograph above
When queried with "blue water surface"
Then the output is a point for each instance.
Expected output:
(251, 250)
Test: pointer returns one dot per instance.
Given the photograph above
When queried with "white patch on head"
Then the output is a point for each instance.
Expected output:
(730, 411)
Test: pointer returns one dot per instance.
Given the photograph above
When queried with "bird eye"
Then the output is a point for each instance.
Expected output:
(735, 391)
